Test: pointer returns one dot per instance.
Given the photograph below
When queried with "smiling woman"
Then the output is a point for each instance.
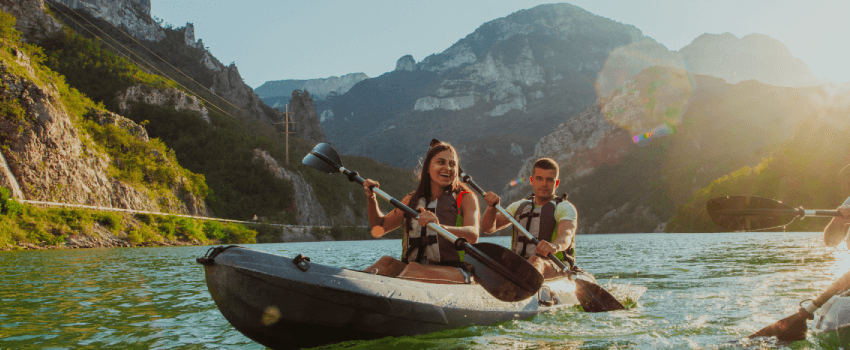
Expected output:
(440, 197)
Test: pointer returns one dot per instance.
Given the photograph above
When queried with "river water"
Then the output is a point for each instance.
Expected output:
(702, 291)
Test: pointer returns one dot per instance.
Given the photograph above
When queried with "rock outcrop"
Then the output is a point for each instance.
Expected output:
(131, 15)
(32, 19)
(52, 160)
(305, 120)
(134, 16)
(168, 97)
(406, 63)
(309, 210)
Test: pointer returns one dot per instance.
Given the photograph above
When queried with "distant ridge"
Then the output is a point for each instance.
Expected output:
(318, 88)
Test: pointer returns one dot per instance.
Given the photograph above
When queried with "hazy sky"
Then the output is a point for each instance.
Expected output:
(283, 39)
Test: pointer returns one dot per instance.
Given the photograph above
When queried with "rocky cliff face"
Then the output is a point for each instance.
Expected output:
(131, 15)
(169, 97)
(278, 91)
(406, 63)
(306, 121)
(309, 210)
(32, 19)
(49, 159)
(517, 77)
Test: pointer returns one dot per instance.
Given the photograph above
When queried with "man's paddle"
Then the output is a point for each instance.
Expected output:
(592, 297)
(793, 327)
(501, 272)
(750, 213)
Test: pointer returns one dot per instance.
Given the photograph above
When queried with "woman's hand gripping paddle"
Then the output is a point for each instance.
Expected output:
(592, 297)
(501, 272)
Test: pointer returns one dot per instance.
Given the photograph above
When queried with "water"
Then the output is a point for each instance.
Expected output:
(702, 291)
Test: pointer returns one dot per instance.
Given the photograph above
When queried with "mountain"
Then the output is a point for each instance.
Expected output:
(517, 77)
(642, 151)
(276, 92)
(752, 57)
(126, 137)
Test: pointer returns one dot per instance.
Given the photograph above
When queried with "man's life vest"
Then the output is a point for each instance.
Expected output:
(547, 229)
(424, 245)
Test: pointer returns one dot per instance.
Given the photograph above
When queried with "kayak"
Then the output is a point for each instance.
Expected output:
(284, 302)
(832, 321)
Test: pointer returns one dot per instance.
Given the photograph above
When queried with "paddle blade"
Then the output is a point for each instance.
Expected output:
(749, 213)
(791, 328)
(324, 158)
(501, 287)
(594, 298)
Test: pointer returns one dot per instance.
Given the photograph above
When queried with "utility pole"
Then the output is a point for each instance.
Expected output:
(287, 132)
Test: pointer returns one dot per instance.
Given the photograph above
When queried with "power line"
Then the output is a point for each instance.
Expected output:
(143, 60)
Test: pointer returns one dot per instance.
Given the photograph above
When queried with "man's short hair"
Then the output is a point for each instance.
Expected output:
(547, 164)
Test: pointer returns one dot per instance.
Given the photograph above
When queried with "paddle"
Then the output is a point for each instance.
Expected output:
(747, 213)
(592, 297)
(501, 272)
(793, 327)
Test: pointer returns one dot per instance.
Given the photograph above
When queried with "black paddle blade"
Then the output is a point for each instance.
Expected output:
(594, 298)
(791, 328)
(749, 213)
(496, 284)
(324, 158)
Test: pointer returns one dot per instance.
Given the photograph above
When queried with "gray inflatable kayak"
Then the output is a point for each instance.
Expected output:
(284, 302)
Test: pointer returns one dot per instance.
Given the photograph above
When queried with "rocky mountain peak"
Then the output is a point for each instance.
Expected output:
(189, 37)
(754, 56)
(406, 63)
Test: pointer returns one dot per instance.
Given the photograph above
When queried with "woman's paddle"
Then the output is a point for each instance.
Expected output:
(793, 327)
(592, 297)
(501, 272)
(751, 213)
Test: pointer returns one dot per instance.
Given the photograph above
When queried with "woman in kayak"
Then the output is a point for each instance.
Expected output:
(441, 198)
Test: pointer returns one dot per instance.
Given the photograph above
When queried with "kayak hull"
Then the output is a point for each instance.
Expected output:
(281, 304)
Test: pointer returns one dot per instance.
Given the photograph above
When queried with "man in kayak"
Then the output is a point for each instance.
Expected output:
(549, 218)
(441, 198)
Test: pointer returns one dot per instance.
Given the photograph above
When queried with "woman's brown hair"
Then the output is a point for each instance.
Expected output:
(423, 190)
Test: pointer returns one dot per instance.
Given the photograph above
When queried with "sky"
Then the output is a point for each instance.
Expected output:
(283, 39)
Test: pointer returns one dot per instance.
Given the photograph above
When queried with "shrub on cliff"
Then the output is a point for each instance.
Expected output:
(8, 205)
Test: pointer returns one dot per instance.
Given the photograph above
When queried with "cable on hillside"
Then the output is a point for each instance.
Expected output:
(143, 60)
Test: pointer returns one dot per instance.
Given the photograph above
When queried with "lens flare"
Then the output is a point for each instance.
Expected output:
(517, 182)
(644, 85)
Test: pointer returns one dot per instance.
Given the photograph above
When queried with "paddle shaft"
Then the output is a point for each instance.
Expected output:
(460, 243)
(771, 212)
(468, 179)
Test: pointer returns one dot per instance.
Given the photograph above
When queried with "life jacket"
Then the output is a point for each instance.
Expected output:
(422, 243)
(547, 229)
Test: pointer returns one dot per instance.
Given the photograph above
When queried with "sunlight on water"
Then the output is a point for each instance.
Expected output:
(698, 291)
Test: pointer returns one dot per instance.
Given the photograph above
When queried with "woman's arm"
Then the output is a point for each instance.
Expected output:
(389, 221)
